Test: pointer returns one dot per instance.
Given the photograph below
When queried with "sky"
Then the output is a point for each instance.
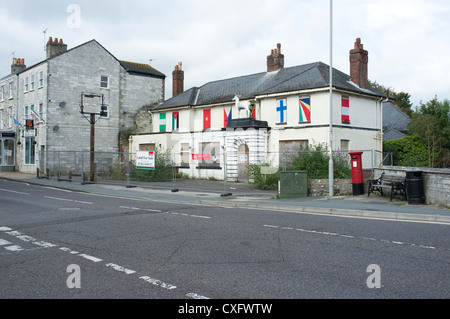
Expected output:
(408, 40)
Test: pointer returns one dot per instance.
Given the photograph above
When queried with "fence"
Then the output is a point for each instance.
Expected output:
(173, 169)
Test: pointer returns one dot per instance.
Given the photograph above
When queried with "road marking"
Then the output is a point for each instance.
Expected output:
(69, 200)
(120, 268)
(14, 248)
(349, 236)
(15, 192)
(197, 216)
(4, 242)
(195, 296)
(91, 258)
(157, 282)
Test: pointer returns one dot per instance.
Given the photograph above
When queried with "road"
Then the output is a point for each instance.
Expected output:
(61, 244)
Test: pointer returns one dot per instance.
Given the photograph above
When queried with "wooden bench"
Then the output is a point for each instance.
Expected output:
(397, 185)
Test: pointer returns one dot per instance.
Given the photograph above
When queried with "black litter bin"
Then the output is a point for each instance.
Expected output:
(414, 187)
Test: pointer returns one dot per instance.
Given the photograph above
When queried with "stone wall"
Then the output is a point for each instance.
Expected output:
(319, 187)
(436, 182)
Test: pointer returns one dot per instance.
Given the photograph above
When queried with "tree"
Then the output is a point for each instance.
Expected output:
(431, 124)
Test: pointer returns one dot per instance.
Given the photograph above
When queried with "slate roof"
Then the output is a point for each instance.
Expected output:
(140, 68)
(303, 77)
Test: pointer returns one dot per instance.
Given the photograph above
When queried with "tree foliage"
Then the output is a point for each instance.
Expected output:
(431, 125)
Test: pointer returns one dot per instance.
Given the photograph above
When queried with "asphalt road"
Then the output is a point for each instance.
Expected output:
(63, 244)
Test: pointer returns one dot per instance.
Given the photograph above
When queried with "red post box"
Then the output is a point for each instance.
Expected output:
(357, 173)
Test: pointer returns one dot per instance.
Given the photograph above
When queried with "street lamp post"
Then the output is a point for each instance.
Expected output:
(331, 134)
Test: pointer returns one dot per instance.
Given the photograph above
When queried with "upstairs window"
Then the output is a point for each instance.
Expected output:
(41, 79)
(104, 82)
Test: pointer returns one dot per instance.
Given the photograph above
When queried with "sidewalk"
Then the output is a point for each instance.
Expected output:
(243, 195)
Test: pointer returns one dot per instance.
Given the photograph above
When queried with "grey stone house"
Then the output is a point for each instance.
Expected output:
(50, 94)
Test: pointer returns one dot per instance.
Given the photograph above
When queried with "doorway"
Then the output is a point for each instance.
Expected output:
(243, 161)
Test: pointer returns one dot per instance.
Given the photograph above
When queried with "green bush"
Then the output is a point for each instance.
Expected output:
(407, 151)
(163, 170)
(268, 182)
(315, 160)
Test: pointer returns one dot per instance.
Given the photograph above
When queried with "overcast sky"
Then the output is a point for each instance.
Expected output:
(408, 40)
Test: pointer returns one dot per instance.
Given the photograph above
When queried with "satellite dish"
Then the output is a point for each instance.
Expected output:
(55, 128)
(62, 104)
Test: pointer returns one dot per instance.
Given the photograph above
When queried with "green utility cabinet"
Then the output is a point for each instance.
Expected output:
(293, 184)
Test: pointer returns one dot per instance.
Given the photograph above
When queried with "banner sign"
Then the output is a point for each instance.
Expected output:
(145, 160)
(201, 157)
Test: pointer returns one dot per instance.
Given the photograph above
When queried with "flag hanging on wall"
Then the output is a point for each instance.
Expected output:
(345, 110)
(162, 122)
(206, 119)
(281, 111)
(253, 111)
(305, 110)
(227, 115)
(175, 121)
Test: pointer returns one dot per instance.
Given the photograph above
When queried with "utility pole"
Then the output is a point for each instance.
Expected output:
(92, 120)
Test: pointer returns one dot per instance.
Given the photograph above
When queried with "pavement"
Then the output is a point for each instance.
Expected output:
(242, 195)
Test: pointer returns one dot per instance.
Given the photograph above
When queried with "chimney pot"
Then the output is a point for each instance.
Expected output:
(178, 80)
(56, 40)
(50, 39)
(359, 59)
(61, 41)
(275, 61)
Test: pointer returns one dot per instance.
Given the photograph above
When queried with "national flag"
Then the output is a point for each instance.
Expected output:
(345, 110)
(281, 111)
(175, 121)
(207, 119)
(227, 115)
(16, 121)
(305, 110)
(162, 122)
(36, 116)
(253, 111)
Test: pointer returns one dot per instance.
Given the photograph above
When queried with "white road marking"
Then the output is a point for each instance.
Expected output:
(349, 236)
(120, 268)
(195, 296)
(91, 258)
(4, 242)
(68, 200)
(15, 248)
(157, 282)
(15, 192)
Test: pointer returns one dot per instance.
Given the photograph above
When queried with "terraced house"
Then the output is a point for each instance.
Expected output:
(40, 105)
(252, 119)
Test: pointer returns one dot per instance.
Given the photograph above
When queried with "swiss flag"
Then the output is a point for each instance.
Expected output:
(206, 119)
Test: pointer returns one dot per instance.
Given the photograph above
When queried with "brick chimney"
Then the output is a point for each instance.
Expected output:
(178, 80)
(18, 65)
(55, 47)
(275, 60)
(359, 59)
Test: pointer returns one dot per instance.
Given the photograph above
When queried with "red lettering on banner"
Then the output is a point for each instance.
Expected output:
(201, 157)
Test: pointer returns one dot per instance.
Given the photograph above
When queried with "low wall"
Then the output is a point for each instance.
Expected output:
(436, 182)
(319, 187)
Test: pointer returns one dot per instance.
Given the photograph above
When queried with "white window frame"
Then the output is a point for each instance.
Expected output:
(41, 79)
(2, 93)
(102, 82)
(26, 85)
(1, 119)
(10, 120)
(11, 90)
(32, 81)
